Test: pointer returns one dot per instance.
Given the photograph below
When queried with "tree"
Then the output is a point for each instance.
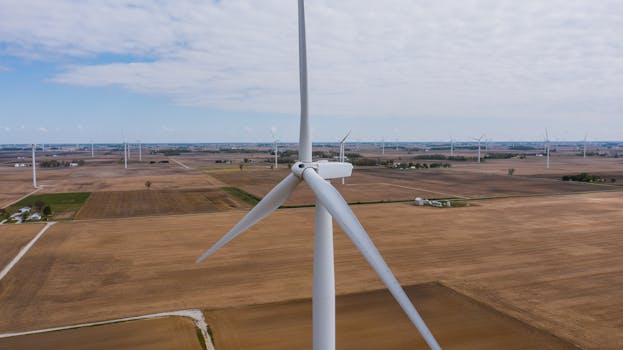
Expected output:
(38, 205)
(511, 171)
(47, 211)
(148, 184)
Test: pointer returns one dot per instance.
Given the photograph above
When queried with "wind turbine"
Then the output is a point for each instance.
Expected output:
(585, 137)
(479, 139)
(451, 147)
(547, 147)
(383, 146)
(140, 151)
(275, 148)
(342, 155)
(34, 166)
(92, 153)
(329, 204)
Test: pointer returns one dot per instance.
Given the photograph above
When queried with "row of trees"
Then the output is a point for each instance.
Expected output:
(54, 163)
(586, 177)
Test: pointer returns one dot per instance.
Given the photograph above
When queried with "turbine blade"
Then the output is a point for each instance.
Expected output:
(331, 199)
(345, 137)
(275, 198)
(305, 143)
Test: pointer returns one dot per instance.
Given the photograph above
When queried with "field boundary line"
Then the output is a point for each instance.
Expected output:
(24, 250)
(195, 314)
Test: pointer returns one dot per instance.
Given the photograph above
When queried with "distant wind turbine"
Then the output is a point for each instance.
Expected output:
(585, 144)
(342, 150)
(451, 147)
(140, 151)
(92, 152)
(329, 204)
(34, 166)
(479, 139)
(547, 148)
(276, 150)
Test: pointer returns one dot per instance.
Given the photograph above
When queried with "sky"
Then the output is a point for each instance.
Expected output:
(72, 71)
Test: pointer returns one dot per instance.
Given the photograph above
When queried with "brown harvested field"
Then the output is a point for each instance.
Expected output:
(155, 202)
(532, 166)
(103, 177)
(167, 333)
(13, 238)
(383, 184)
(14, 183)
(560, 272)
(373, 320)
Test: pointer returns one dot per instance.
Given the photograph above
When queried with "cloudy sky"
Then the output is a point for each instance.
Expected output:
(215, 71)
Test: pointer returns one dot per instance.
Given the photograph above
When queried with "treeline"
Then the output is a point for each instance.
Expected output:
(586, 177)
(54, 163)
(444, 157)
(422, 166)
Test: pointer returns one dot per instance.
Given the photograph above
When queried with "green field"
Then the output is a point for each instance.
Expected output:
(58, 202)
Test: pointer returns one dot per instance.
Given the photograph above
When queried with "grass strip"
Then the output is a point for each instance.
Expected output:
(242, 195)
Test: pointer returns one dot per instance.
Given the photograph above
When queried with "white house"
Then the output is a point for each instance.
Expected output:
(35, 216)
(24, 210)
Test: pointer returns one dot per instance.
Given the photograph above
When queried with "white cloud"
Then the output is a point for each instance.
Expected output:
(405, 58)
(6, 128)
(42, 129)
(166, 128)
(80, 127)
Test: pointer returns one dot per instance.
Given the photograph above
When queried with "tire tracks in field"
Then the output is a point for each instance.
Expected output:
(195, 314)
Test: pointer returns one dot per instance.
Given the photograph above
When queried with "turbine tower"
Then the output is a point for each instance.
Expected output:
(585, 137)
(451, 147)
(275, 149)
(92, 153)
(547, 148)
(479, 139)
(34, 167)
(125, 154)
(329, 204)
(342, 155)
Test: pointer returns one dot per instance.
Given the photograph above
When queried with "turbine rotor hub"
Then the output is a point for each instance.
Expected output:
(327, 170)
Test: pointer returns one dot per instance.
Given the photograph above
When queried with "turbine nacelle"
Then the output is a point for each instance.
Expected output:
(327, 170)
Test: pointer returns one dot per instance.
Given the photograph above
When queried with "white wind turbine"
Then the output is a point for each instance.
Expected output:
(140, 151)
(34, 166)
(329, 204)
(276, 150)
(451, 147)
(342, 153)
(547, 148)
(92, 152)
(479, 139)
(585, 143)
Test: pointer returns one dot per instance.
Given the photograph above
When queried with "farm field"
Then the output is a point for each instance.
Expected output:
(558, 272)
(157, 202)
(64, 205)
(15, 184)
(13, 238)
(373, 320)
(383, 184)
(169, 333)
(535, 166)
